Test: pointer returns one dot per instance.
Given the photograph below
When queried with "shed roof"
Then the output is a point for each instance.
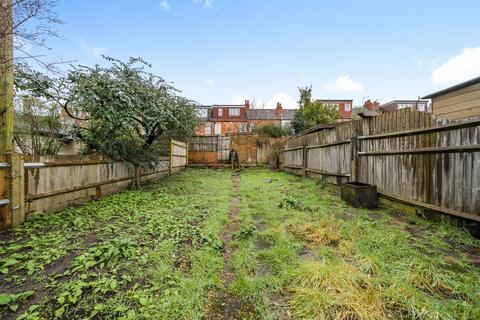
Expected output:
(453, 88)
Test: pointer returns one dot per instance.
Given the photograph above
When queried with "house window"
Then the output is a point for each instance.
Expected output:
(208, 129)
(220, 112)
(202, 113)
(348, 107)
(234, 112)
(218, 127)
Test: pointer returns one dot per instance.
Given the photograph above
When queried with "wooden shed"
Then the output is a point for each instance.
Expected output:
(461, 101)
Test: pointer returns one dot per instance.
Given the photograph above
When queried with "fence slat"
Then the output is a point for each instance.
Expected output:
(407, 154)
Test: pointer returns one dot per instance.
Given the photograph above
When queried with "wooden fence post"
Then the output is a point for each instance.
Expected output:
(15, 190)
(12, 187)
(305, 164)
(186, 153)
(354, 170)
(171, 158)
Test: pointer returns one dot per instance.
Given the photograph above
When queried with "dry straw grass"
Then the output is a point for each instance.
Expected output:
(334, 292)
(324, 232)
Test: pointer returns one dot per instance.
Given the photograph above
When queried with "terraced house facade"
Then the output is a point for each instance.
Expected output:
(233, 118)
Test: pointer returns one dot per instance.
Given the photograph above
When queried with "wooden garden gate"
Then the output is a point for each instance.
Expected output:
(223, 149)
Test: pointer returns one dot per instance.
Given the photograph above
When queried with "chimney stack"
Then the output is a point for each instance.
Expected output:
(372, 106)
(279, 109)
(247, 104)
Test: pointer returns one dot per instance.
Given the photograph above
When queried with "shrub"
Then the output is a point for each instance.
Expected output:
(274, 131)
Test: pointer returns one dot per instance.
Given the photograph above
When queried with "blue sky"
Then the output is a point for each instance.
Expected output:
(223, 51)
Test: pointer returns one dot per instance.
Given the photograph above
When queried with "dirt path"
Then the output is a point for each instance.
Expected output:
(222, 304)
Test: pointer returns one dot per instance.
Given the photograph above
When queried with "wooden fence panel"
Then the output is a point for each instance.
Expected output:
(404, 153)
(211, 150)
(67, 180)
(203, 150)
(246, 147)
(178, 155)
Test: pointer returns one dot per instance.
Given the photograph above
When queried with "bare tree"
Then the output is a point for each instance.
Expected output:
(39, 128)
(33, 24)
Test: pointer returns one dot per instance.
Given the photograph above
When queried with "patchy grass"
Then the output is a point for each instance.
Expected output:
(142, 254)
(298, 252)
(322, 259)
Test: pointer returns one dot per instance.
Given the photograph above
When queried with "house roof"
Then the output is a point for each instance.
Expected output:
(402, 101)
(220, 106)
(453, 88)
(270, 114)
(228, 106)
(335, 100)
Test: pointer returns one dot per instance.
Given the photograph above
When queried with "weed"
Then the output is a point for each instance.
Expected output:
(245, 232)
(11, 300)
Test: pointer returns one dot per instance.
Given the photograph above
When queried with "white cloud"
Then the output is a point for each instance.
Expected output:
(164, 6)
(283, 98)
(93, 51)
(344, 84)
(419, 63)
(205, 3)
(461, 67)
(210, 82)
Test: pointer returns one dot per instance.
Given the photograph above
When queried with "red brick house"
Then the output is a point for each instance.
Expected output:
(223, 119)
(233, 118)
(278, 116)
(344, 106)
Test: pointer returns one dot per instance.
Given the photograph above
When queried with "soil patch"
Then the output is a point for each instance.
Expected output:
(309, 254)
(375, 216)
(262, 244)
(262, 270)
(417, 232)
(224, 305)
(278, 306)
(221, 303)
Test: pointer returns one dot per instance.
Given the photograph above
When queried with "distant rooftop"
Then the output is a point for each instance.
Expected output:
(334, 100)
(403, 101)
(270, 114)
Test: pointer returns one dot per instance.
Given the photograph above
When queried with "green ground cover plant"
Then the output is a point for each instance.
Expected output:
(299, 252)
(152, 253)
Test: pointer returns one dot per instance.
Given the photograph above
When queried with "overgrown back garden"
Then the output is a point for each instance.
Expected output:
(123, 198)
(260, 245)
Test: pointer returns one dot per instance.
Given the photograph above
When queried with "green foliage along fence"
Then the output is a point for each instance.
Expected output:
(52, 183)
